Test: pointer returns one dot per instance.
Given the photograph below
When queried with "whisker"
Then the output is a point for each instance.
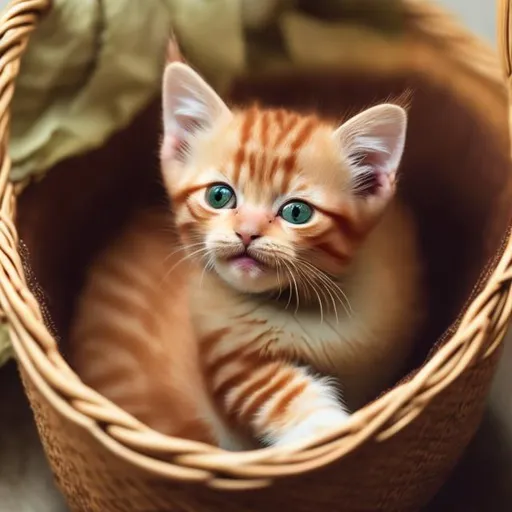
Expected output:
(295, 286)
(319, 302)
(278, 270)
(310, 278)
(208, 266)
(187, 256)
(329, 282)
(332, 282)
(291, 289)
(307, 278)
(327, 291)
(182, 248)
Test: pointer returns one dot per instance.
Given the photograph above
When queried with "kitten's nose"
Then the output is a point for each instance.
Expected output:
(251, 223)
(247, 237)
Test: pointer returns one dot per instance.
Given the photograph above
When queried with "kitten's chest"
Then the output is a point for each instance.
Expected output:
(303, 336)
(318, 340)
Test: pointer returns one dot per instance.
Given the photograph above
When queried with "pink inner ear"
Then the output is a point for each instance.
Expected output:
(168, 148)
(172, 148)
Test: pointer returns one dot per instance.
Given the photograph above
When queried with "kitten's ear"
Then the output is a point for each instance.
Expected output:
(373, 142)
(189, 105)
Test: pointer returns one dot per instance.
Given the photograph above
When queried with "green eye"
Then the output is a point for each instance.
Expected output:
(220, 196)
(296, 212)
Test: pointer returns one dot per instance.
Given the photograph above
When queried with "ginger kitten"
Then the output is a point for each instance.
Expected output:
(300, 265)
(132, 338)
(309, 264)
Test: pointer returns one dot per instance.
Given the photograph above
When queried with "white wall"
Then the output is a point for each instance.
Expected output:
(479, 15)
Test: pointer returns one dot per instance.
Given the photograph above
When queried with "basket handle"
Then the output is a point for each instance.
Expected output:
(17, 21)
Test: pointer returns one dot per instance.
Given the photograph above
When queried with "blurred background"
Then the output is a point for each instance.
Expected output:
(479, 15)
(483, 480)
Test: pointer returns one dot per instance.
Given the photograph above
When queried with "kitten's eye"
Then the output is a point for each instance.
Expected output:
(296, 212)
(220, 196)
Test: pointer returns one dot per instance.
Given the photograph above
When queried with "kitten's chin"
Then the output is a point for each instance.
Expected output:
(247, 276)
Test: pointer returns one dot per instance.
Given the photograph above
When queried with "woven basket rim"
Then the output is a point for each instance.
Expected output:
(121, 433)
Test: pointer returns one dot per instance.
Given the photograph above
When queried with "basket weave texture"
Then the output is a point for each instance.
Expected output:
(392, 455)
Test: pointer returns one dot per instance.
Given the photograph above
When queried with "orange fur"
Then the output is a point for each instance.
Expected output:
(278, 307)
(133, 340)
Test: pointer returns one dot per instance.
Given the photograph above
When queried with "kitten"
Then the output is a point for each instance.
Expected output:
(306, 264)
(294, 275)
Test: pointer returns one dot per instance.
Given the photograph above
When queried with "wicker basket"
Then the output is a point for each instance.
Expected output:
(394, 453)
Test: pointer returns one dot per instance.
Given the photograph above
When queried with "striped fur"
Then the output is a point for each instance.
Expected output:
(336, 296)
(315, 310)
(132, 339)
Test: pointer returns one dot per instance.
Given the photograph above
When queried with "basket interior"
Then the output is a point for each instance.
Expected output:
(455, 176)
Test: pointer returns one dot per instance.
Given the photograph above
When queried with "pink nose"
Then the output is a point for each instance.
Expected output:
(251, 223)
(247, 237)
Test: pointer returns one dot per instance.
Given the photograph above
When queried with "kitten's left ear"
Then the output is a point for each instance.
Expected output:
(189, 105)
(373, 143)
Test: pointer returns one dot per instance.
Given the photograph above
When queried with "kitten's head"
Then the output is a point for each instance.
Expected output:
(269, 198)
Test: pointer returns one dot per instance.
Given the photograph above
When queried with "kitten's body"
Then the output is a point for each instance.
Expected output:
(301, 265)
(133, 340)
(363, 346)
(150, 365)
(363, 343)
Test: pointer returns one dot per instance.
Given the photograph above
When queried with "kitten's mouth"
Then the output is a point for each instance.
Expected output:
(247, 271)
(247, 262)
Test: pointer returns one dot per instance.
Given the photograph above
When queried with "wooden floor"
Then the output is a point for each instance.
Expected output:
(482, 482)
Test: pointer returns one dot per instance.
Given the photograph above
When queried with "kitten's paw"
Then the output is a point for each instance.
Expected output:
(313, 427)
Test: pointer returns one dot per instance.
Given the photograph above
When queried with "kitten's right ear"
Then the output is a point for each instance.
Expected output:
(189, 105)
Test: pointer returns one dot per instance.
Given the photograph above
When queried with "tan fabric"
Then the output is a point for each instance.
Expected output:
(91, 66)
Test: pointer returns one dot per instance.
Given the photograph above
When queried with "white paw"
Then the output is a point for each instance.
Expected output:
(313, 427)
